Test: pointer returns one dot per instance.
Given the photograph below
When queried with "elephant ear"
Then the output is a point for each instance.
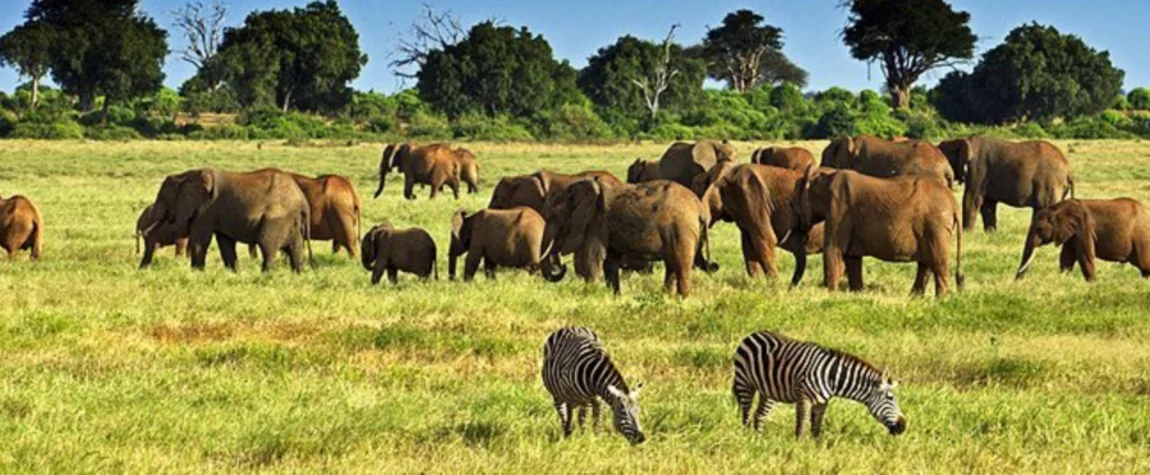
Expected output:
(459, 234)
(756, 156)
(367, 248)
(400, 155)
(1071, 220)
(542, 182)
(385, 160)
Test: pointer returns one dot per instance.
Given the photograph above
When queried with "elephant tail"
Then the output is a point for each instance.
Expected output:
(307, 236)
(959, 278)
(37, 237)
(1069, 186)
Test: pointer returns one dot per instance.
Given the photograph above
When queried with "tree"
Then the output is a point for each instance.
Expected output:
(28, 49)
(654, 80)
(203, 28)
(496, 70)
(907, 38)
(102, 47)
(745, 52)
(302, 58)
(609, 78)
(429, 31)
(1139, 99)
(1038, 74)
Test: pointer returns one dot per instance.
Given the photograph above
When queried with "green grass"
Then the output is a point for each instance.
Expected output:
(106, 368)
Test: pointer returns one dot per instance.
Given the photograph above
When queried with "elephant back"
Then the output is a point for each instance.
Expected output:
(683, 161)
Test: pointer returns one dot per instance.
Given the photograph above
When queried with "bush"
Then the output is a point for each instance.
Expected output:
(1089, 128)
(428, 126)
(836, 122)
(66, 129)
(8, 121)
(111, 132)
(220, 132)
(672, 131)
(572, 122)
(1139, 99)
(497, 129)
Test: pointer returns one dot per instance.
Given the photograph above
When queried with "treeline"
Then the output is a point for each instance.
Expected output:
(286, 74)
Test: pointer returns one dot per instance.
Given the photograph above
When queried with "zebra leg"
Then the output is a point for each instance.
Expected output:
(817, 411)
(761, 412)
(595, 413)
(582, 411)
(744, 395)
(800, 416)
(564, 418)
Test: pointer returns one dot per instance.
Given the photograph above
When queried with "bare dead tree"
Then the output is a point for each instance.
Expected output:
(203, 27)
(430, 31)
(657, 81)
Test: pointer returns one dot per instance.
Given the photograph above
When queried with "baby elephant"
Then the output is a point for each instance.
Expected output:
(500, 238)
(21, 226)
(1113, 230)
(385, 248)
(157, 235)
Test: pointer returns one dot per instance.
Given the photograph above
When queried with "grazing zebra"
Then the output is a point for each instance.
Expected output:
(784, 370)
(576, 370)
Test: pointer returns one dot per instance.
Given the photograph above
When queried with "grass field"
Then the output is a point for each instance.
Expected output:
(106, 368)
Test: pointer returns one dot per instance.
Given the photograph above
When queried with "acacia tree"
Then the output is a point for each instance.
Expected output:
(28, 49)
(609, 79)
(1037, 73)
(746, 52)
(102, 47)
(907, 38)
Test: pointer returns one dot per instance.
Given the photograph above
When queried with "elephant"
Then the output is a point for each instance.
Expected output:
(500, 238)
(1032, 174)
(701, 183)
(883, 158)
(434, 165)
(21, 227)
(642, 171)
(794, 158)
(770, 207)
(156, 234)
(682, 162)
(656, 220)
(532, 190)
(468, 168)
(264, 207)
(411, 250)
(335, 210)
(1112, 230)
(901, 219)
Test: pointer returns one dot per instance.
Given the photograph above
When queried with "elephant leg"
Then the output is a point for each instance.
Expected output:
(270, 253)
(854, 272)
(409, 187)
(296, 252)
(199, 241)
(378, 270)
(922, 273)
(454, 184)
(149, 250)
(1085, 263)
(345, 235)
(766, 257)
(941, 270)
(1067, 258)
(989, 210)
(833, 269)
(489, 268)
(393, 275)
(227, 251)
(683, 255)
(253, 251)
(471, 264)
(611, 272)
(753, 266)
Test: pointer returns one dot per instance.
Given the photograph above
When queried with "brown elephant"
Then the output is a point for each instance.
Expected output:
(264, 207)
(532, 190)
(335, 210)
(386, 249)
(642, 171)
(21, 227)
(885, 158)
(770, 207)
(434, 165)
(682, 161)
(468, 168)
(156, 234)
(900, 219)
(1115, 230)
(656, 220)
(1033, 174)
(500, 238)
(794, 158)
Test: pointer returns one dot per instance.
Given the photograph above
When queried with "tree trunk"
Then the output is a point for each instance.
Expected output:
(104, 112)
(35, 91)
(899, 97)
(287, 101)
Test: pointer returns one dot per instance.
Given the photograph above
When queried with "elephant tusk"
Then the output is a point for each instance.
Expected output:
(547, 252)
(148, 230)
(1025, 266)
(785, 236)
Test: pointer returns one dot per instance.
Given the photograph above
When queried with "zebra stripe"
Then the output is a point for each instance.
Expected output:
(578, 372)
(780, 369)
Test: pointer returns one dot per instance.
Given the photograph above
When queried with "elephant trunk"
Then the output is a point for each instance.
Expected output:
(800, 258)
(453, 254)
(552, 266)
(1032, 242)
(382, 180)
(137, 242)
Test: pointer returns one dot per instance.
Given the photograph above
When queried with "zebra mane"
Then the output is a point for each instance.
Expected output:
(855, 360)
(614, 370)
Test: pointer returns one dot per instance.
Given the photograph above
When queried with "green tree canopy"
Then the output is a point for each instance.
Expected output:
(102, 47)
(28, 48)
(302, 58)
(610, 75)
(907, 38)
(496, 70)
(1037, 73)
(745, 52)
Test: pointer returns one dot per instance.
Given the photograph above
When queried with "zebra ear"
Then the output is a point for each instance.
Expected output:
(615, 391)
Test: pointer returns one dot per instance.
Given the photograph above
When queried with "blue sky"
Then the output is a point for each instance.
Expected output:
(577, 28)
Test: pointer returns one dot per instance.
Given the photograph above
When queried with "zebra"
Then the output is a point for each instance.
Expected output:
(780, 369)
(577, 371)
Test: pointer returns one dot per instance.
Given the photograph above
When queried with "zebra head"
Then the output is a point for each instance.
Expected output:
(626, 409)
(884, 406)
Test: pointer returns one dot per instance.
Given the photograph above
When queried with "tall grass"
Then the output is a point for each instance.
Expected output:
(106, 368)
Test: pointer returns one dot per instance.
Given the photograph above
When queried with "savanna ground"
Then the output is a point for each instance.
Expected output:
(106, 368)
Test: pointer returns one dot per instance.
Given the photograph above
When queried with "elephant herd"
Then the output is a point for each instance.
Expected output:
(887, 199)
